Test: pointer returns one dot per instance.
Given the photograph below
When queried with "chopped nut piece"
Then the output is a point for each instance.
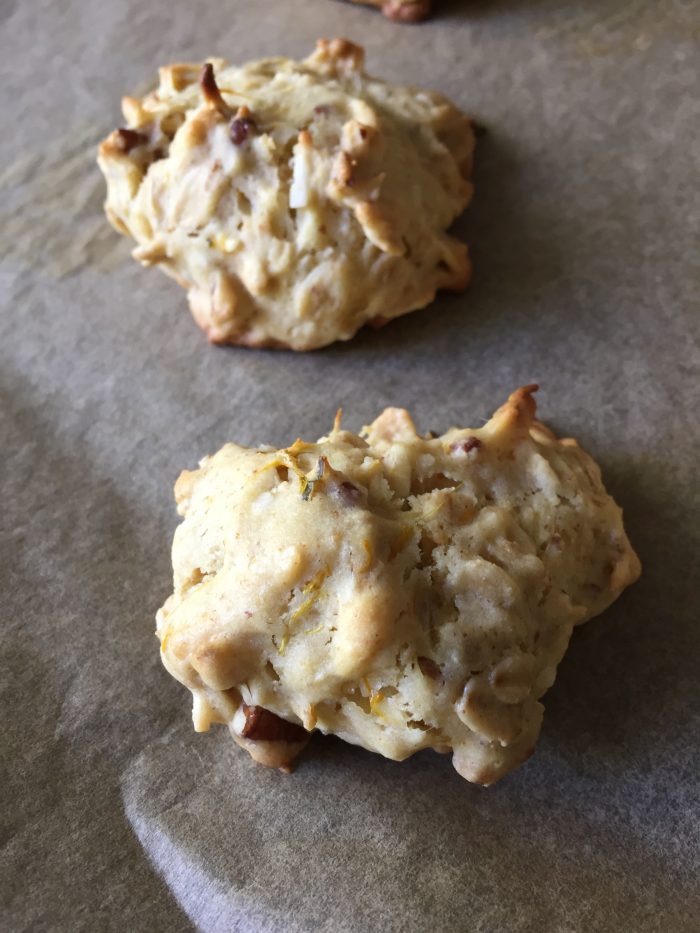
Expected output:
(465, 445)
(262, 725)
(347, 493)
(126, 140)
(241, 129)
(429, 668)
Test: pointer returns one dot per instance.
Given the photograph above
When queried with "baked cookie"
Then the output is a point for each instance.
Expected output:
(401, 591)
(295, 201)
(403, 11)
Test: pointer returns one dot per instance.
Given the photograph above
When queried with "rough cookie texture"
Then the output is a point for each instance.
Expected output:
(402, 592)
(295, 201)
(403, 11)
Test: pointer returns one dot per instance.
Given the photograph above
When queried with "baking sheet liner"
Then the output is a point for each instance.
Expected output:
(584, 233)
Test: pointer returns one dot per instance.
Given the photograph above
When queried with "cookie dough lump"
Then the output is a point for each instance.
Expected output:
(402, 592)
(295, 201)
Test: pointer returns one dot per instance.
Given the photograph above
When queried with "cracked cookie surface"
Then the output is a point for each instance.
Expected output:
(402, 592)
(295, 201)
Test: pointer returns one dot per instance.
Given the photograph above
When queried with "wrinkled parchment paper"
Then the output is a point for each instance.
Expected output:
(585, 235)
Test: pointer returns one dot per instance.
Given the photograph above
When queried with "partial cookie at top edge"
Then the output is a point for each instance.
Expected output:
(401, 11)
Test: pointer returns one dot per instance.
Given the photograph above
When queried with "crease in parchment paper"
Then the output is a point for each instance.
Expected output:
(244, 848)
(207, 901)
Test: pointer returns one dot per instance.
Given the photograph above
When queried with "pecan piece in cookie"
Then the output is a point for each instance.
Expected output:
(262, 725)
(126, 140)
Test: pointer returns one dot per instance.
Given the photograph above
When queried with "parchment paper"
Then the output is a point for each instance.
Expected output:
(585, 240)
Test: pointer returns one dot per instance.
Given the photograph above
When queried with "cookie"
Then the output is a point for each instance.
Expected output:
(400, 591)
(295, 201)
(402, 11)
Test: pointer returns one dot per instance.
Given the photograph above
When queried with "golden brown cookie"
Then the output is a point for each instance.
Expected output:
(295, 201)
(400, 591)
